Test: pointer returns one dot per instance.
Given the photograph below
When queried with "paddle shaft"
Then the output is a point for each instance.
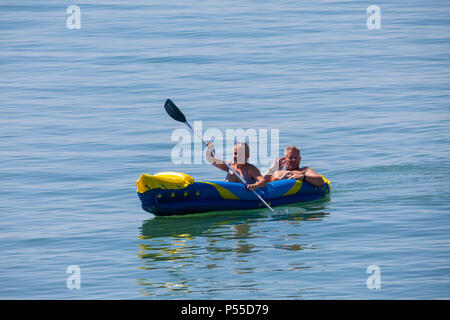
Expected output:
(229, 167)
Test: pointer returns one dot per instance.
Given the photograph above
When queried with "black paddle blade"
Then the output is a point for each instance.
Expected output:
(173, 111)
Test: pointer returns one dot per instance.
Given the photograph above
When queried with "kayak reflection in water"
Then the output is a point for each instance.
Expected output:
(291, 161)
(241, 153)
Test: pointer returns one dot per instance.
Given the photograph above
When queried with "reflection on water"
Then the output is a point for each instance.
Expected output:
(199, 253)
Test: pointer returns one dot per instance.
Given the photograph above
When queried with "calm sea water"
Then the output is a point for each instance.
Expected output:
(82, 117)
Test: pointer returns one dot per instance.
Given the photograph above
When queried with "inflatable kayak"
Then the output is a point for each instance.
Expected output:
(175, 193)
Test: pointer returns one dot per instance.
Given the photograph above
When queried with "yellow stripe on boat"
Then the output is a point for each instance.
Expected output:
(163, 180)
(295, 188)
(224, 192)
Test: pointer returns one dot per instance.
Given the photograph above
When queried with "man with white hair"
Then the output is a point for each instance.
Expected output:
(291, 162)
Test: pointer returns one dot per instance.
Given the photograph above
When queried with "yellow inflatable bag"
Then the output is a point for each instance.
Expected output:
(163, 180)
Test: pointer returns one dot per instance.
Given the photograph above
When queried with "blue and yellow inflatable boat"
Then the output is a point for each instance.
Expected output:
(175, 193)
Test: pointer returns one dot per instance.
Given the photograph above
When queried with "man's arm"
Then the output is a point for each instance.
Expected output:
(308, 175)
(313, 178)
